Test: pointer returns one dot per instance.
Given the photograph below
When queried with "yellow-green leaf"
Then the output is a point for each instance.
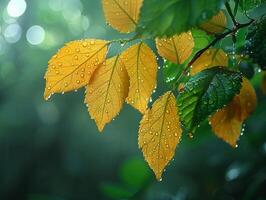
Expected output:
(107, 91)
(217, 24)
(141, 65)
(159, 133)
(210, 58)
(72, 66)
(122, 15)
(227, 122)
(177, 48)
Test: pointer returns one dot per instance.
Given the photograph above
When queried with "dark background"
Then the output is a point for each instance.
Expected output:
(53, 150)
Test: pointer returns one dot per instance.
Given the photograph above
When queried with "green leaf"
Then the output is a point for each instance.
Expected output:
(166, 18)
(116, 191)
(135, 173)
(205, 93)
(172, 71)
(250, 4)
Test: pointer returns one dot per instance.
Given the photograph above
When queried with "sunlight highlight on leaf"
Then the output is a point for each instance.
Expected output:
(122, 15)
(177, 48)
(159, 133)
(72, 66)
(217, 24)
(227, 122)
(107, 91)
(210, 58)
(141, 66)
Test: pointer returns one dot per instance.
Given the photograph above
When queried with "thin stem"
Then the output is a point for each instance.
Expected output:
(236, 7)
(217, 39)
(229, 10)
(124, 41)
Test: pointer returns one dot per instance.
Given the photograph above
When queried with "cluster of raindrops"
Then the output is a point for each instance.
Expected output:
(82, 64)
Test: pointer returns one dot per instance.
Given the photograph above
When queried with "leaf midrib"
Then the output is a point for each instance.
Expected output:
(108, 86)
(124, 11)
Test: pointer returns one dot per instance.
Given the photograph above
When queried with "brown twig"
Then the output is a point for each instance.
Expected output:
(217, 39)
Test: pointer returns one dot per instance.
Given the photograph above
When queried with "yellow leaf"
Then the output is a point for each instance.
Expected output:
(263, 84)
(210, 58)
(227, 122)
(216, 24)
(107, 91)
(159, 133)
(141, 65)
(73, 65)
(177, 48)
(247, 100)
(122, 15)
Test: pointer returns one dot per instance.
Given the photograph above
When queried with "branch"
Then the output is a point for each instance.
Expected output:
(229, 10)
(217, 39)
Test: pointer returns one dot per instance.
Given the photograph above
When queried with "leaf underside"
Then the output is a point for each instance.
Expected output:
(166, 18)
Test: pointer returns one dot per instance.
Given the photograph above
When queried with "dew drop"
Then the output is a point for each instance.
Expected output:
(84, 44)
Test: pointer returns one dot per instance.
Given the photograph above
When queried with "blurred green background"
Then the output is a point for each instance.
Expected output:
(53, 150)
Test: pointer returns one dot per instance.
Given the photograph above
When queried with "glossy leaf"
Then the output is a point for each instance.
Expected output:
(250, 4)
(107, 91)
(122, 15)
(205, 93)
(216, 24)
(141, 65)
(210, 58)
(72, 66)
(166, 18)
(159, 133)
(227, 122)
(176, 48)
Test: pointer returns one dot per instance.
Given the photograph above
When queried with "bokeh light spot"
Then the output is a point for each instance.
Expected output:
(35, 35)
(16, 8)
(12, 33)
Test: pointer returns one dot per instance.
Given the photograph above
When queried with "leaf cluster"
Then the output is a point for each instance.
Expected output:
(204, 78)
